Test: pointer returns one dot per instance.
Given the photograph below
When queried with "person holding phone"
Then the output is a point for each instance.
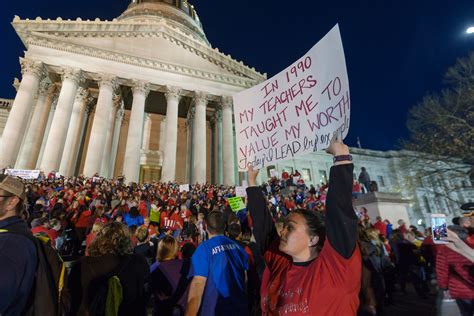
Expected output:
(314, 267)
(454, 263)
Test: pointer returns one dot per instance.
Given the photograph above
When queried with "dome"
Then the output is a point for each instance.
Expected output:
(179, 11)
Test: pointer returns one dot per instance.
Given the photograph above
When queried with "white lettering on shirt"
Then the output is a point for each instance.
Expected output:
(222, 248)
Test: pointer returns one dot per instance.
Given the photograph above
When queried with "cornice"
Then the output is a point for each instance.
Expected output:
(31, 39)
(116, 28)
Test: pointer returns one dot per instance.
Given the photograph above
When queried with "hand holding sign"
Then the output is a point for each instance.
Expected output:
(298, 110)
(337, 147)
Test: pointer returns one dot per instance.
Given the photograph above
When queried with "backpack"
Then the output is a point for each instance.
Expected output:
(66, 244)
(170, 306)
(108, 296)
(46, 297)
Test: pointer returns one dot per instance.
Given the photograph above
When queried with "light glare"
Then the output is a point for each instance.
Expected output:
(470, 30)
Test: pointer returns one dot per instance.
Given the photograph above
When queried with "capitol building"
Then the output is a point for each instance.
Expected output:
(147, 96)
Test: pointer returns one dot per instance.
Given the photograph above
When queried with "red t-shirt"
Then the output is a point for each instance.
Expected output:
(329, 285)
(185, 215)
(84, 219)
(143, 209)
(381, 227)
(177, 221)
(41, 229)
(163, 218)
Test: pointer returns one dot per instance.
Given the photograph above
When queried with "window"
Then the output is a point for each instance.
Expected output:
(272, 172)
(322, 177)
(380, 181)
(427, 204)
(306, 174)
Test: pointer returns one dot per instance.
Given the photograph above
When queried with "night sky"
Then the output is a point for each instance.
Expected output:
(396, 51)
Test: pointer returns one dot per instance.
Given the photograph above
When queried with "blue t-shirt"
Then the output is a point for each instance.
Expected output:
(223, 262)
(137, 221)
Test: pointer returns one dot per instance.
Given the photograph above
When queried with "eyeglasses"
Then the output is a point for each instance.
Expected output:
(6, 195)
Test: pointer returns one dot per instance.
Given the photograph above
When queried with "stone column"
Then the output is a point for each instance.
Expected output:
(32, 142)
(86, 121)
(131, 165)
(162, 134)
(199, 163)
(66, 168)
(115, 140)
(168, 171)
(107, 85)
(33, 72)
(146, 131)
(80, 137)
(57, 134)
(228, 141)
(189, 145)
(105, 166)
(46, 131)
(219, 164)
(213, 126)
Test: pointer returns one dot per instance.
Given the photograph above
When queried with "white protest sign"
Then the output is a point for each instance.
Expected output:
(240, 191)
(184, 188)
(274, 173)
(22, 173)
(298, 110)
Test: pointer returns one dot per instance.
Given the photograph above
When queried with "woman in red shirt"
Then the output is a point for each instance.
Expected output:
(81, 221)
(314, 268)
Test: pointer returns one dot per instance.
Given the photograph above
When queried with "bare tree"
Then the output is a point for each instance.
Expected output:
(441, 130)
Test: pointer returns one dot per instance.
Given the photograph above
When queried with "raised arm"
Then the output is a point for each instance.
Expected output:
(264, 229)
(341, 220)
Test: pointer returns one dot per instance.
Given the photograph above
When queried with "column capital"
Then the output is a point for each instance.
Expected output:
(31, 66)
(53, 90)
(90, 105)
(44, 87)
(212, 122)
(117, 100)
(82, 94)
(191, 113)
(120, 113)
(218, 116)
(16, 83)
(73, 74)
(107, 80)
(140, 86)
(200, 98)
(54, 103)
(227, 101)
(173, 92)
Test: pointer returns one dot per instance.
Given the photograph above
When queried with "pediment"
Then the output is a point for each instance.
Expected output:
(154, 43)
(152, 48)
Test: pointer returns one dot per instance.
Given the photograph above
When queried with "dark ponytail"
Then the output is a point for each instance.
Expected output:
(315, 225)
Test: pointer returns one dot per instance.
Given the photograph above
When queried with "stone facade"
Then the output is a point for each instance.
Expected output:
(428, 185)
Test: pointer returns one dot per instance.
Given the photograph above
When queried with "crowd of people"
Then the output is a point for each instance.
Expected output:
(135, 249)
